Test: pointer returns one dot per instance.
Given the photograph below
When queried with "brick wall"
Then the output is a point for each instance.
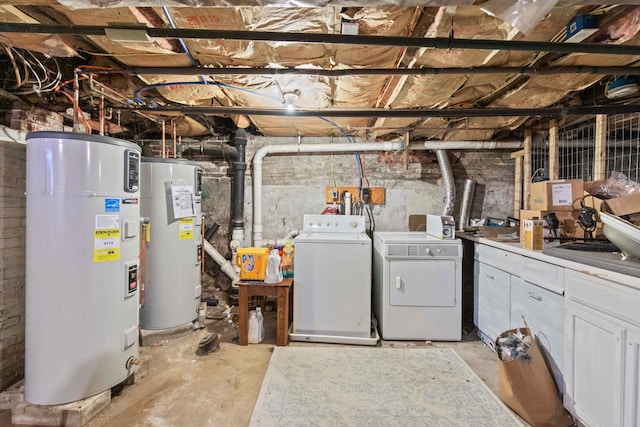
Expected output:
(12, 260)
(295, 184)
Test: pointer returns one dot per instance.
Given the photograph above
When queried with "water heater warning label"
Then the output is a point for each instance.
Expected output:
(106, 238)
(186, 229)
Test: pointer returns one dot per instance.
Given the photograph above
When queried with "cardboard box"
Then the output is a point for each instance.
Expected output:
(532, 231)
(568, 227)
(625, 205)
(555, 195)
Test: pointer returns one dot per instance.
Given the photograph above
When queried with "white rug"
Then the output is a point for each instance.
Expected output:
(355, 386)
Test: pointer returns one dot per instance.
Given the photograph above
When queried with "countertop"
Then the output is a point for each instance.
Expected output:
(607, 265)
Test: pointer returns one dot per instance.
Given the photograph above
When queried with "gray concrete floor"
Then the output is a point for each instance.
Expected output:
(180, 388)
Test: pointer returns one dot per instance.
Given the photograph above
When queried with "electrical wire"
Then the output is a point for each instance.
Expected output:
(194, 63)
(372, 222)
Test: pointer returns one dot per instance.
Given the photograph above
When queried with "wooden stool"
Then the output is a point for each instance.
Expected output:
(279, 290)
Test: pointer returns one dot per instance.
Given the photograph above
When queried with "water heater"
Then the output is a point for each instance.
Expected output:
(82, 250)
(171, 199)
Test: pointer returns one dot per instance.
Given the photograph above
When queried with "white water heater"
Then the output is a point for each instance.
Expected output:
(171, 198)
(82, 250)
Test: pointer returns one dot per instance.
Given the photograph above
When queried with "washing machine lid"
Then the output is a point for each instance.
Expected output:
(324, 237)
(410, 237)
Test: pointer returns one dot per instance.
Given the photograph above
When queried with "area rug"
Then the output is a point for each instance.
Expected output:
(354, 386)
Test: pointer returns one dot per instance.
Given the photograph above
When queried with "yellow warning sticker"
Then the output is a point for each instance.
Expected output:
(101, 255)
(106, 244)
(186, 229)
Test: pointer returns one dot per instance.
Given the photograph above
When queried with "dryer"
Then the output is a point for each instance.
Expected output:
(417, 286)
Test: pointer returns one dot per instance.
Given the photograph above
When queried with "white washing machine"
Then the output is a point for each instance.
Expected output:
(417, 286)
(332, 282)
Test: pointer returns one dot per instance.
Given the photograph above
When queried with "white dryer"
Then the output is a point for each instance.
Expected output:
(332, 281)
(417, 286)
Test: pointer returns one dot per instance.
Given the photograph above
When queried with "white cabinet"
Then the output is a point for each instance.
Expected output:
(492, 301)
(593, 372)
(509, 286)
(602, 325)
(543, 311)
(632, 376)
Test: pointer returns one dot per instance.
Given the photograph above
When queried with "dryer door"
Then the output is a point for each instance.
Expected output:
(422, 283)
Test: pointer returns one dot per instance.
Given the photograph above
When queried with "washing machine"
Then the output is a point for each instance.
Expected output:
(417, 286)
(332, 282)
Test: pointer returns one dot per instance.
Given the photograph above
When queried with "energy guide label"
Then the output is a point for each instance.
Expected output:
(186, 228)
(106, 238)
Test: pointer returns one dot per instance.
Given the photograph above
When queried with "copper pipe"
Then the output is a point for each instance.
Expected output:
(101, 114)
(173, 134)
(76, 100)
(164, 156)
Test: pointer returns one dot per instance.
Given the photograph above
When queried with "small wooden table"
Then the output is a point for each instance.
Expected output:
(279, 290)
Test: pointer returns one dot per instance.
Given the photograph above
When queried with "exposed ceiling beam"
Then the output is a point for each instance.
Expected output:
(530, 71)
(434, 43)
(400, 112)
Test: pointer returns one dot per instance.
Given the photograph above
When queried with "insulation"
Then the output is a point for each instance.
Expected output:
(53, 45)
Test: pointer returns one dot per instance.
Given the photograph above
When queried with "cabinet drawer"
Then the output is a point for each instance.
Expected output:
(492, 300)
(549, 276)
(602, 295)
(543, 311)
(504, 260)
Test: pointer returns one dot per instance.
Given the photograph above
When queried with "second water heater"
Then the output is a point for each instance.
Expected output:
(171, 200)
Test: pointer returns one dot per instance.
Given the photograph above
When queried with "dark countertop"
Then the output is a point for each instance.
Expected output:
(606, 260)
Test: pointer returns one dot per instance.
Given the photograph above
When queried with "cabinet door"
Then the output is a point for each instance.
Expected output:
(543, 311)
(593, 367)
(632, 379)
(492, 292)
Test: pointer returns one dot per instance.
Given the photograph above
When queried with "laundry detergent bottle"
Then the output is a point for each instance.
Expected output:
(274, 273)
(287, 260)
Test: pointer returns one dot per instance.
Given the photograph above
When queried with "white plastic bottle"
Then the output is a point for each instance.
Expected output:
(274, 272)
(254, 328)
(260, 324)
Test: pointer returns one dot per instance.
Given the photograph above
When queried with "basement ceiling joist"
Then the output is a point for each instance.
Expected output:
(439, 70)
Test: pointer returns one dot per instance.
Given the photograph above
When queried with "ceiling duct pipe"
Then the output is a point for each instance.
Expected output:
(448, 181)
(467, 145)
(258, 239)
(467, 198)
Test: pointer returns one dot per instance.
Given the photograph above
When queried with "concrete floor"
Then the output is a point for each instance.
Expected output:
(180, 388)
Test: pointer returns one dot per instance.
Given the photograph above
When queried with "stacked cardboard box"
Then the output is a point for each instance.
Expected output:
(561, 198)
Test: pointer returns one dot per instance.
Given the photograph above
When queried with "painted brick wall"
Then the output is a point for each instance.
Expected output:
(295, 184)
(12, 260)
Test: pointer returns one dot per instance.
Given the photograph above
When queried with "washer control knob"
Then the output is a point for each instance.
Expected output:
(438, 250)
(427, 251)
(354, 224)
